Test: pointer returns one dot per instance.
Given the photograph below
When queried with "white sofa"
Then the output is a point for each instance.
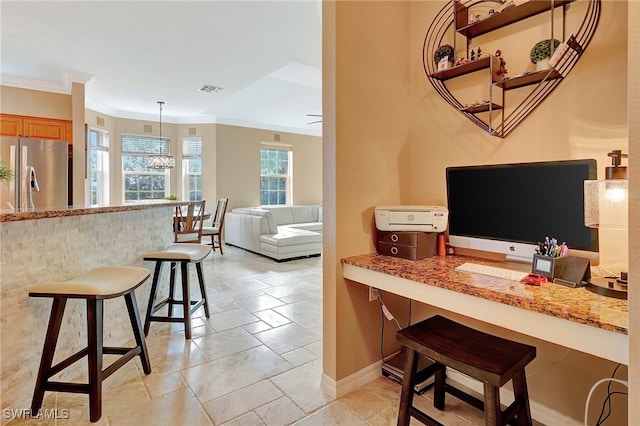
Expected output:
(279, 232)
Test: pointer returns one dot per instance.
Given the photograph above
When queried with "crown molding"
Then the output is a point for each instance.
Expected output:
(63, 87)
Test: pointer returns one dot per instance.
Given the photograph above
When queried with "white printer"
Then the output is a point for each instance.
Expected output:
(411, 218)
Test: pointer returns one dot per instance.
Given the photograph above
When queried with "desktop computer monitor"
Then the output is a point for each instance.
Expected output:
(509, 208)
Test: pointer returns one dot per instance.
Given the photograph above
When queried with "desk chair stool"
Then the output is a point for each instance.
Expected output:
(184, 254)
(95, 286)
(489, 359)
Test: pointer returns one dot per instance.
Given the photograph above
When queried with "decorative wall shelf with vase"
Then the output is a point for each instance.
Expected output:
(453, 23)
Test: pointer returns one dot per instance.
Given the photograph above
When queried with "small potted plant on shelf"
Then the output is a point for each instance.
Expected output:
(541, 52)
(444, 56)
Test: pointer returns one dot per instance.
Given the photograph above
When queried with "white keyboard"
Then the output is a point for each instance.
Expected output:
(507, 274)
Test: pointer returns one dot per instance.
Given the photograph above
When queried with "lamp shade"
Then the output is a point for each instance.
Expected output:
(606, 203)
(161, 162)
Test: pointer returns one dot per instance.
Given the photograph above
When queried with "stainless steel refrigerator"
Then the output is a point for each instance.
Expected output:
(40, 168)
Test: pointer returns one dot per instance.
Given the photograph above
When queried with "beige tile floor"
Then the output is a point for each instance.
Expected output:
(255, 361)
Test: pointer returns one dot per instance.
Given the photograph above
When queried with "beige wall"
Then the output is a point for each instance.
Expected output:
(238, 164)
(18, 101)
(393, 136)
(231, 159)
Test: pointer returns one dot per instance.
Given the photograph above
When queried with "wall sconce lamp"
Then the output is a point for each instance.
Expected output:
(606, 208)
(161, 161)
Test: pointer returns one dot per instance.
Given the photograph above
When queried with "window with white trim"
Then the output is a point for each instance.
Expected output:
(192, 169)
(276, 163)
(141, 182)
(98, 167)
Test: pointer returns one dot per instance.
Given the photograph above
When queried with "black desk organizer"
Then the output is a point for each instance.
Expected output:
(570, 271)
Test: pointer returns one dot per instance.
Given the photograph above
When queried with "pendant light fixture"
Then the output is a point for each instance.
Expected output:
(161, 161)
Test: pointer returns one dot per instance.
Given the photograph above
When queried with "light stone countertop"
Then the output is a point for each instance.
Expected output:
(13, 216)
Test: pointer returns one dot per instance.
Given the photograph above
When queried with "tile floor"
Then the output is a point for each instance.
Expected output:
(255, 361)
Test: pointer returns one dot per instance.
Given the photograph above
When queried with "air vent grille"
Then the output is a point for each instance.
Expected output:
(207, 88)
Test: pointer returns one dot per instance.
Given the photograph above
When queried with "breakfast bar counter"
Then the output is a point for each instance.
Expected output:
(33, 214)
(57, 245)
(571, 317)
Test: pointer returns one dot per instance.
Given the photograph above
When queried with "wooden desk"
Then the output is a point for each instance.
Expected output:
(572, 317)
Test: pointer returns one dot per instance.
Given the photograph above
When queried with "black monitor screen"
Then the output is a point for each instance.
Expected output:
(523, 202)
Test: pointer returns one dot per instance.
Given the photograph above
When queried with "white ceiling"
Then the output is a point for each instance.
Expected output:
(265, 54)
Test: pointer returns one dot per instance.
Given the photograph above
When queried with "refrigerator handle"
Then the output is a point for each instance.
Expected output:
(33, 184)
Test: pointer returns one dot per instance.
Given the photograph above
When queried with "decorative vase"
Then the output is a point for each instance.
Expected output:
(543, 64)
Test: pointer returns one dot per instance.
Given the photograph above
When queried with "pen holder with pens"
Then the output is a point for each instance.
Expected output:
(570, 271)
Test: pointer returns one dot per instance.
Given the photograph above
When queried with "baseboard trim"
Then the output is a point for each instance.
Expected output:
(539, 412)
(352, 382)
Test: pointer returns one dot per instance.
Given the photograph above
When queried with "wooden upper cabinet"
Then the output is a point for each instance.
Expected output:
(36, 127)
(10, 125)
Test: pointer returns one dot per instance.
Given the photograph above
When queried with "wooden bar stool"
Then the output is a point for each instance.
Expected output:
(94, 286)
(484, 357)
(184, 254)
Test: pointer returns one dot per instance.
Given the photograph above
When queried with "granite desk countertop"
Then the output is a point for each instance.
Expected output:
(13, 216)
(573, 304)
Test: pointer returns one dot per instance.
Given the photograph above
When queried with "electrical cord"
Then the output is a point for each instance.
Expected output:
(383, 307)
(606, 404)
(381, 327)
(382, 316)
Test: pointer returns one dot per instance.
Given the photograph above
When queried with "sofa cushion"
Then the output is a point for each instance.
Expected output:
(307, 226)
(302, 214)
(290, 236)
(320, 213)
(272, 227)
(282, 214)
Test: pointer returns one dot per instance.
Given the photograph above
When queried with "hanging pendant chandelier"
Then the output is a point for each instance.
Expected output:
(161, 161)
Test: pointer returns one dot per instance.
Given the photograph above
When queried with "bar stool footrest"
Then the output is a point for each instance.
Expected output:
(67, 362)
(424, 417)
(127, 354)
(67, 387)
(464, 396)
(195, 304)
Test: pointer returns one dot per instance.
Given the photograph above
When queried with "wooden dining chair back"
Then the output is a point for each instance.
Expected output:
(188, 222)
(215, 231)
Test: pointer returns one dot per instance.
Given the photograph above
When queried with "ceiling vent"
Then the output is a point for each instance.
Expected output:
(207, 88)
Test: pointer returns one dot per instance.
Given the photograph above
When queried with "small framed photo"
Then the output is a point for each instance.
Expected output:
(443, 64)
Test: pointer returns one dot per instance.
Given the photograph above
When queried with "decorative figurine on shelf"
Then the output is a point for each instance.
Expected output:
(461, 60)
(502, 70)
(473, 55)
(479, 52)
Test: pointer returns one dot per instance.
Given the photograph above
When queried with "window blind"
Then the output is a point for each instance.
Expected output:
(134, 144)
(192, 148)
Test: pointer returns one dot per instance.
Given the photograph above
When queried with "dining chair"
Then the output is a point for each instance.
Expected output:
(215, 231)
(188, 222)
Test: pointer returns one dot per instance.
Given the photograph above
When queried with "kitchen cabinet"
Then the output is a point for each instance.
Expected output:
(36, 127)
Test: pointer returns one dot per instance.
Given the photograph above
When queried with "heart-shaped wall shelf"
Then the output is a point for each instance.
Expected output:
(463, 18)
